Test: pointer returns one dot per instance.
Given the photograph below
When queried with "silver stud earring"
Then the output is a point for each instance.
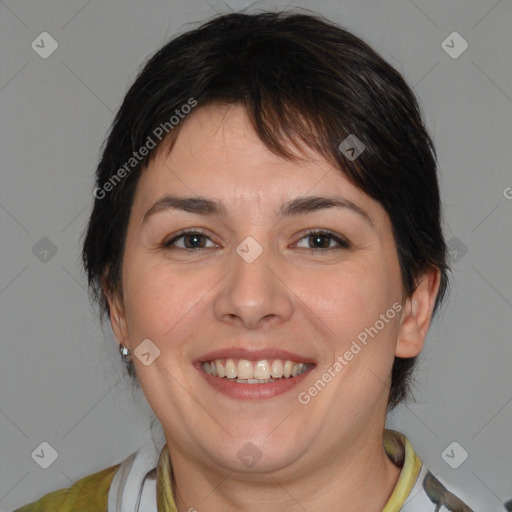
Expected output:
(126, 355)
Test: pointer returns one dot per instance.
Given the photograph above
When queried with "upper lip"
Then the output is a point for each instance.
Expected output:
(253, 355)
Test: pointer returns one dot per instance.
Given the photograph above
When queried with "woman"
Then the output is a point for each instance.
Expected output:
(266, 241)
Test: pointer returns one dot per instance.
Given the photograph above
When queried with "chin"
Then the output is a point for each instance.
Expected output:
(252, 453)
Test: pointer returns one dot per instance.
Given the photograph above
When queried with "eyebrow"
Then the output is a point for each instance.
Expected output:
(295, 207)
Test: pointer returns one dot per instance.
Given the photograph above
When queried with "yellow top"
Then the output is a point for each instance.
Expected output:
(91, 492)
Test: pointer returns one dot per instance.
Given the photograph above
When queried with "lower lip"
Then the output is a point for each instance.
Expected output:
(253, 391)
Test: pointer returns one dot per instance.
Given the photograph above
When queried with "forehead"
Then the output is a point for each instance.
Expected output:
(218, 154)
(219, 142)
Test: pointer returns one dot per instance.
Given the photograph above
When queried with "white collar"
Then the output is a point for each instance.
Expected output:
(133, 487)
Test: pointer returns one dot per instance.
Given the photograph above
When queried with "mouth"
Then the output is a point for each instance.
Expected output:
(253, 379)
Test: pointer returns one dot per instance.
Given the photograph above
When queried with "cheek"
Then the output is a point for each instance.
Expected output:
(156, 298)
(356, 291)
(352, 300)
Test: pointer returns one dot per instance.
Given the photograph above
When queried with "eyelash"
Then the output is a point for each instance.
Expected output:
(343, 244)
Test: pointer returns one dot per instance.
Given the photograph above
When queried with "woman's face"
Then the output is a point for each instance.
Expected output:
(254, 286)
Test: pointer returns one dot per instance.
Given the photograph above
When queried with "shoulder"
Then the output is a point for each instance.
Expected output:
(88, 493)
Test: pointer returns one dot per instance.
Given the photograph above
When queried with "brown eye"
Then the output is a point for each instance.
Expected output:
(321, 241)
(192, 240)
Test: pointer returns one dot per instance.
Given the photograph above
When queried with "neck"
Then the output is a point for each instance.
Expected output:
(344, 476)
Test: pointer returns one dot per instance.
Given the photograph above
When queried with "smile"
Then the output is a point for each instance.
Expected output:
(251, 380)
(254, 372)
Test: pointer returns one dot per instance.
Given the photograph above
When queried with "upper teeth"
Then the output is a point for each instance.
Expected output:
(261, 370)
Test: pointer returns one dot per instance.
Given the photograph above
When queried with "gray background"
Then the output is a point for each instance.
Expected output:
(61, 377)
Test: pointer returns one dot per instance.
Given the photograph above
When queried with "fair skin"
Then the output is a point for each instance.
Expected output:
(294, 296)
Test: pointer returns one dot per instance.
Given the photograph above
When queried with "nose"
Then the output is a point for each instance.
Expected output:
(253, 293)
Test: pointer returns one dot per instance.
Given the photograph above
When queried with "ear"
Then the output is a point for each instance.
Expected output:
(117, 315)
(417, 314)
